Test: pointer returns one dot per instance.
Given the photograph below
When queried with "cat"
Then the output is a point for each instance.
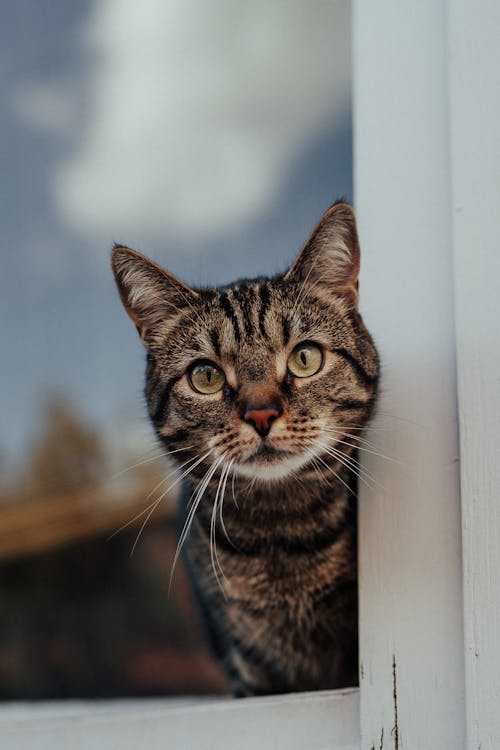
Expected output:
(260, 391)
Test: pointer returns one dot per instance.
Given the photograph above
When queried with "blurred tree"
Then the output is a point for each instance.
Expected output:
(67, 456)
(5, 488)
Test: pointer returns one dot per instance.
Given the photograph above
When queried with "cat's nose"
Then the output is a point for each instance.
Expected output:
(262, 417)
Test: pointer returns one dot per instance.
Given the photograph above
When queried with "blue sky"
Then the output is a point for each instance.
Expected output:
(212, 141)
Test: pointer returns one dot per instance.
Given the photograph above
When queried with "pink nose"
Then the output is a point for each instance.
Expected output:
(262, 419)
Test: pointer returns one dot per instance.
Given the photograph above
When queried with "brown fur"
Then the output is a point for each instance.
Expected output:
(272, 544)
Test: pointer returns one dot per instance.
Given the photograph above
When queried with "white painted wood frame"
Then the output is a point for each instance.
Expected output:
(410, 575)
(309, 721)
(474, 54)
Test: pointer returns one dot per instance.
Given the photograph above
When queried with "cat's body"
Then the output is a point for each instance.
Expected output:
(260, 391)
(287, 619)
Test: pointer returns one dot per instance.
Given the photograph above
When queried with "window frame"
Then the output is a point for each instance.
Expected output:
(426, 89)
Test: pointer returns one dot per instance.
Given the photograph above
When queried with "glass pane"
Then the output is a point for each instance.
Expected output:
(211, 136)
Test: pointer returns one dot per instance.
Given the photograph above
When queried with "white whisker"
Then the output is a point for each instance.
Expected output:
(342, 433)
(157, 502)
(351, 461)
(366, 450)
(356, 470)
(213, 544)
(142, 512)
(232, 487)
(222, 502)
(198, 494)
(327, 466)
(316, 466)
(161, 454)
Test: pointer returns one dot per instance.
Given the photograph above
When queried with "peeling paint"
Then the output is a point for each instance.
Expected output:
(395, 728)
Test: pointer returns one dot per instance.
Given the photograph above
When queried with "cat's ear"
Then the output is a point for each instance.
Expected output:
(149, 294)
(329, 260)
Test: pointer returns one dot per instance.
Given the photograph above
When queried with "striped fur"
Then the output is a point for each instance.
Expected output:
(272, 540)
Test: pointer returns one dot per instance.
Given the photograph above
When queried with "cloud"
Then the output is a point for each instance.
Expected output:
(196, 111)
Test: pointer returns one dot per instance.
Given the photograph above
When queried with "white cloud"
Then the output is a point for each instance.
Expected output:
(197, 109)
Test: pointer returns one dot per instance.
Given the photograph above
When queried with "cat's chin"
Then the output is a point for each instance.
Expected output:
(271, 466)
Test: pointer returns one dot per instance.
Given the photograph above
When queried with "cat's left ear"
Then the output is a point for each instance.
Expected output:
(150, 294)
(329, 260)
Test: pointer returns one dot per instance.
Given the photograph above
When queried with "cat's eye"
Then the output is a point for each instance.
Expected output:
(305, 360)
(205, 377)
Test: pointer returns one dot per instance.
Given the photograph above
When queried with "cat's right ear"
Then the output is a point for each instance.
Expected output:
(329, 261)
(150, 295)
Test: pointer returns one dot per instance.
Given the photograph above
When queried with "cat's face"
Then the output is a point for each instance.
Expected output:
(266, 375)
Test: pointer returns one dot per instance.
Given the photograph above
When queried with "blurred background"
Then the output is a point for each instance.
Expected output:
(210, 136)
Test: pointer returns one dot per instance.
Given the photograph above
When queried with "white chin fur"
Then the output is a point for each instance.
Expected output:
(268, 472)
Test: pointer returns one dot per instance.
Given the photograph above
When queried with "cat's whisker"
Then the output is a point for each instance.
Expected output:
(357, 470)
(148, 460)
(193, 503)
(142, 512)
(356, 438)
(159, 454)
(338, 477)
(199, 492)
(399, 418)
(213, 542)
(157, 502)
(366, 428)
(342, 433)
(317, 467)
(143, 526)
(366, 450)
(351, 460)
(165, 479)
(223, 525)
(232, 487)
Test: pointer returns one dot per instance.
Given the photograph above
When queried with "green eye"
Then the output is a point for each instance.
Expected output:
(305, 360)
(205, 377)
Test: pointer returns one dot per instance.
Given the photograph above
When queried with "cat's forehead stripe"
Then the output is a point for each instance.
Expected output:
(245, 297)
(254, 321)
(264, 305)
(214, 338)
(230, 313)
(286, 330)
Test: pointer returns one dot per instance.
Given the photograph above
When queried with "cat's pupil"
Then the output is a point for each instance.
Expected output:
(209, 375)
(303, 358)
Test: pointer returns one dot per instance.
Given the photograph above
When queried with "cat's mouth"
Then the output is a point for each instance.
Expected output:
(269, 463)
(267, 453)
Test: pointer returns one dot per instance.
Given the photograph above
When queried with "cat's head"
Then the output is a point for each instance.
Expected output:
(267, 374)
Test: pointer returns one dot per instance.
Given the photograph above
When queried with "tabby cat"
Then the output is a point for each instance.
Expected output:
(260, 390)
